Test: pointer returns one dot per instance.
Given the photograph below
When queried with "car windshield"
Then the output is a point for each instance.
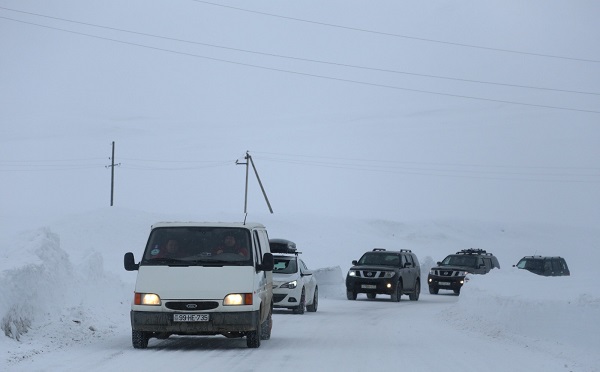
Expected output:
(284, 265)
(380, 259)
(460, 260)
(202, 246)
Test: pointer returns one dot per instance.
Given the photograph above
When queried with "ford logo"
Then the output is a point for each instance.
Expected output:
(191, 306)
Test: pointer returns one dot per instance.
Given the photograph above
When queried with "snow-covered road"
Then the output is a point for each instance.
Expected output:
(341, 335)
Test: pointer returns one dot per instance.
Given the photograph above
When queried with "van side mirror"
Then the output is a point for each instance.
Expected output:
(129, 262)
(267, 263)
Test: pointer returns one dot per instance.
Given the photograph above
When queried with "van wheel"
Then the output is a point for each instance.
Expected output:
(302, 304)
(265, 328)
(139, 339)
(415, 295)
(253, 339)
(315, 303)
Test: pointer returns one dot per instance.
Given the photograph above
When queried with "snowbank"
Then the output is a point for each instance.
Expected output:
(527, 308)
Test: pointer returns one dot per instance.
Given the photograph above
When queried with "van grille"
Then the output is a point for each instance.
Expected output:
(192, 305)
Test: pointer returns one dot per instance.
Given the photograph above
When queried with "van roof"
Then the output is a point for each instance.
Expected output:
(247, 225)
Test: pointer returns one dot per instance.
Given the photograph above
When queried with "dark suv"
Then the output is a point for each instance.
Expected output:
(380, 271)
(546, 266)
(451, 272)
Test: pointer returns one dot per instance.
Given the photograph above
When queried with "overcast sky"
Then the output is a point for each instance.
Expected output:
(484, 111)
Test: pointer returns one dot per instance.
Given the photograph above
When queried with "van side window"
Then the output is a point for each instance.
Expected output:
(263, 240)
(257, 248)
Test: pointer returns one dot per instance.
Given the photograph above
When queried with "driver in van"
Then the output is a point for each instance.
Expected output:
(230, 245)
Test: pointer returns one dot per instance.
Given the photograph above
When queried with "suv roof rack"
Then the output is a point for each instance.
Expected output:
(473, 251)
(378, 249)
(283, 246)
(405, 250)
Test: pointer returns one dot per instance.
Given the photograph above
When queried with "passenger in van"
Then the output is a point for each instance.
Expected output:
(170, 250)
(230, 245)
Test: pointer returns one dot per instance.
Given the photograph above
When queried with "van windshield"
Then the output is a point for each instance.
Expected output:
(202, 246)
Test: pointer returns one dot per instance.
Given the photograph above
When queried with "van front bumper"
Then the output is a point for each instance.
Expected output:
(218, 323)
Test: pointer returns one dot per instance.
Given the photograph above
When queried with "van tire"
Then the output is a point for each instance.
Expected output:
(139, 339)
(253, 339)
(266, 326)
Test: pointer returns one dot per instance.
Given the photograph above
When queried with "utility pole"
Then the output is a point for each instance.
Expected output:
(247, 164)
(112, 173)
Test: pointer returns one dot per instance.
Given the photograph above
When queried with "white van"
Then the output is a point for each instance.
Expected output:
(203, 279)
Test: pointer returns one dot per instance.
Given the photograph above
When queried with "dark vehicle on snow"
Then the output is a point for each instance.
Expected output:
(380, 271)
(451, 273)
(546, 266)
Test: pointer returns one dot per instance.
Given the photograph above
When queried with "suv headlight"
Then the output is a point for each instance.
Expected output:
(352, 273)
(432, 271)
(290, 285)
(388, 274)
(462, 273)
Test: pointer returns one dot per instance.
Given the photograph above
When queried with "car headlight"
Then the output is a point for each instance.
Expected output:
(150, 299)
(290, 285)
(388, 274)
(352, 273)
(236, 299)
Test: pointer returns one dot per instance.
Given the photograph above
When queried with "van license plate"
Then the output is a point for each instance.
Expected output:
(190, 317)
(369, 286)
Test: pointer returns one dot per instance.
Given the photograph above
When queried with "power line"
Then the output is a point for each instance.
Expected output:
(312, 75)
(386, 161)
(307, 59)
(449, 173)
(399, 35)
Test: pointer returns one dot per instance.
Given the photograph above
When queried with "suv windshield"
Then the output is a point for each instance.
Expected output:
(460, 260)
(531, 264)
(380, 259)
(194, 245)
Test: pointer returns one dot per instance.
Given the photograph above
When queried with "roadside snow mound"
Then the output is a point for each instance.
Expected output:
(48, 296)
(331, 282)
(522, 307)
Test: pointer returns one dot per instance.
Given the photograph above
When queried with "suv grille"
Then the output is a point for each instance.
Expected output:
(370, 274)
(448, 273)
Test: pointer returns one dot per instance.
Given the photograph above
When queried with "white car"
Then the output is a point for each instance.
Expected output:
(294, 285)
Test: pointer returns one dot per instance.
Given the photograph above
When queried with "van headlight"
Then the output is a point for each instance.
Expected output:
(237, 299)
(290, 285)
(150, 299)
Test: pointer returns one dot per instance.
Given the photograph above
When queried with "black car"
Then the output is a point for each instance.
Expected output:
(546, 266)
(386, 272)
(451, 272)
